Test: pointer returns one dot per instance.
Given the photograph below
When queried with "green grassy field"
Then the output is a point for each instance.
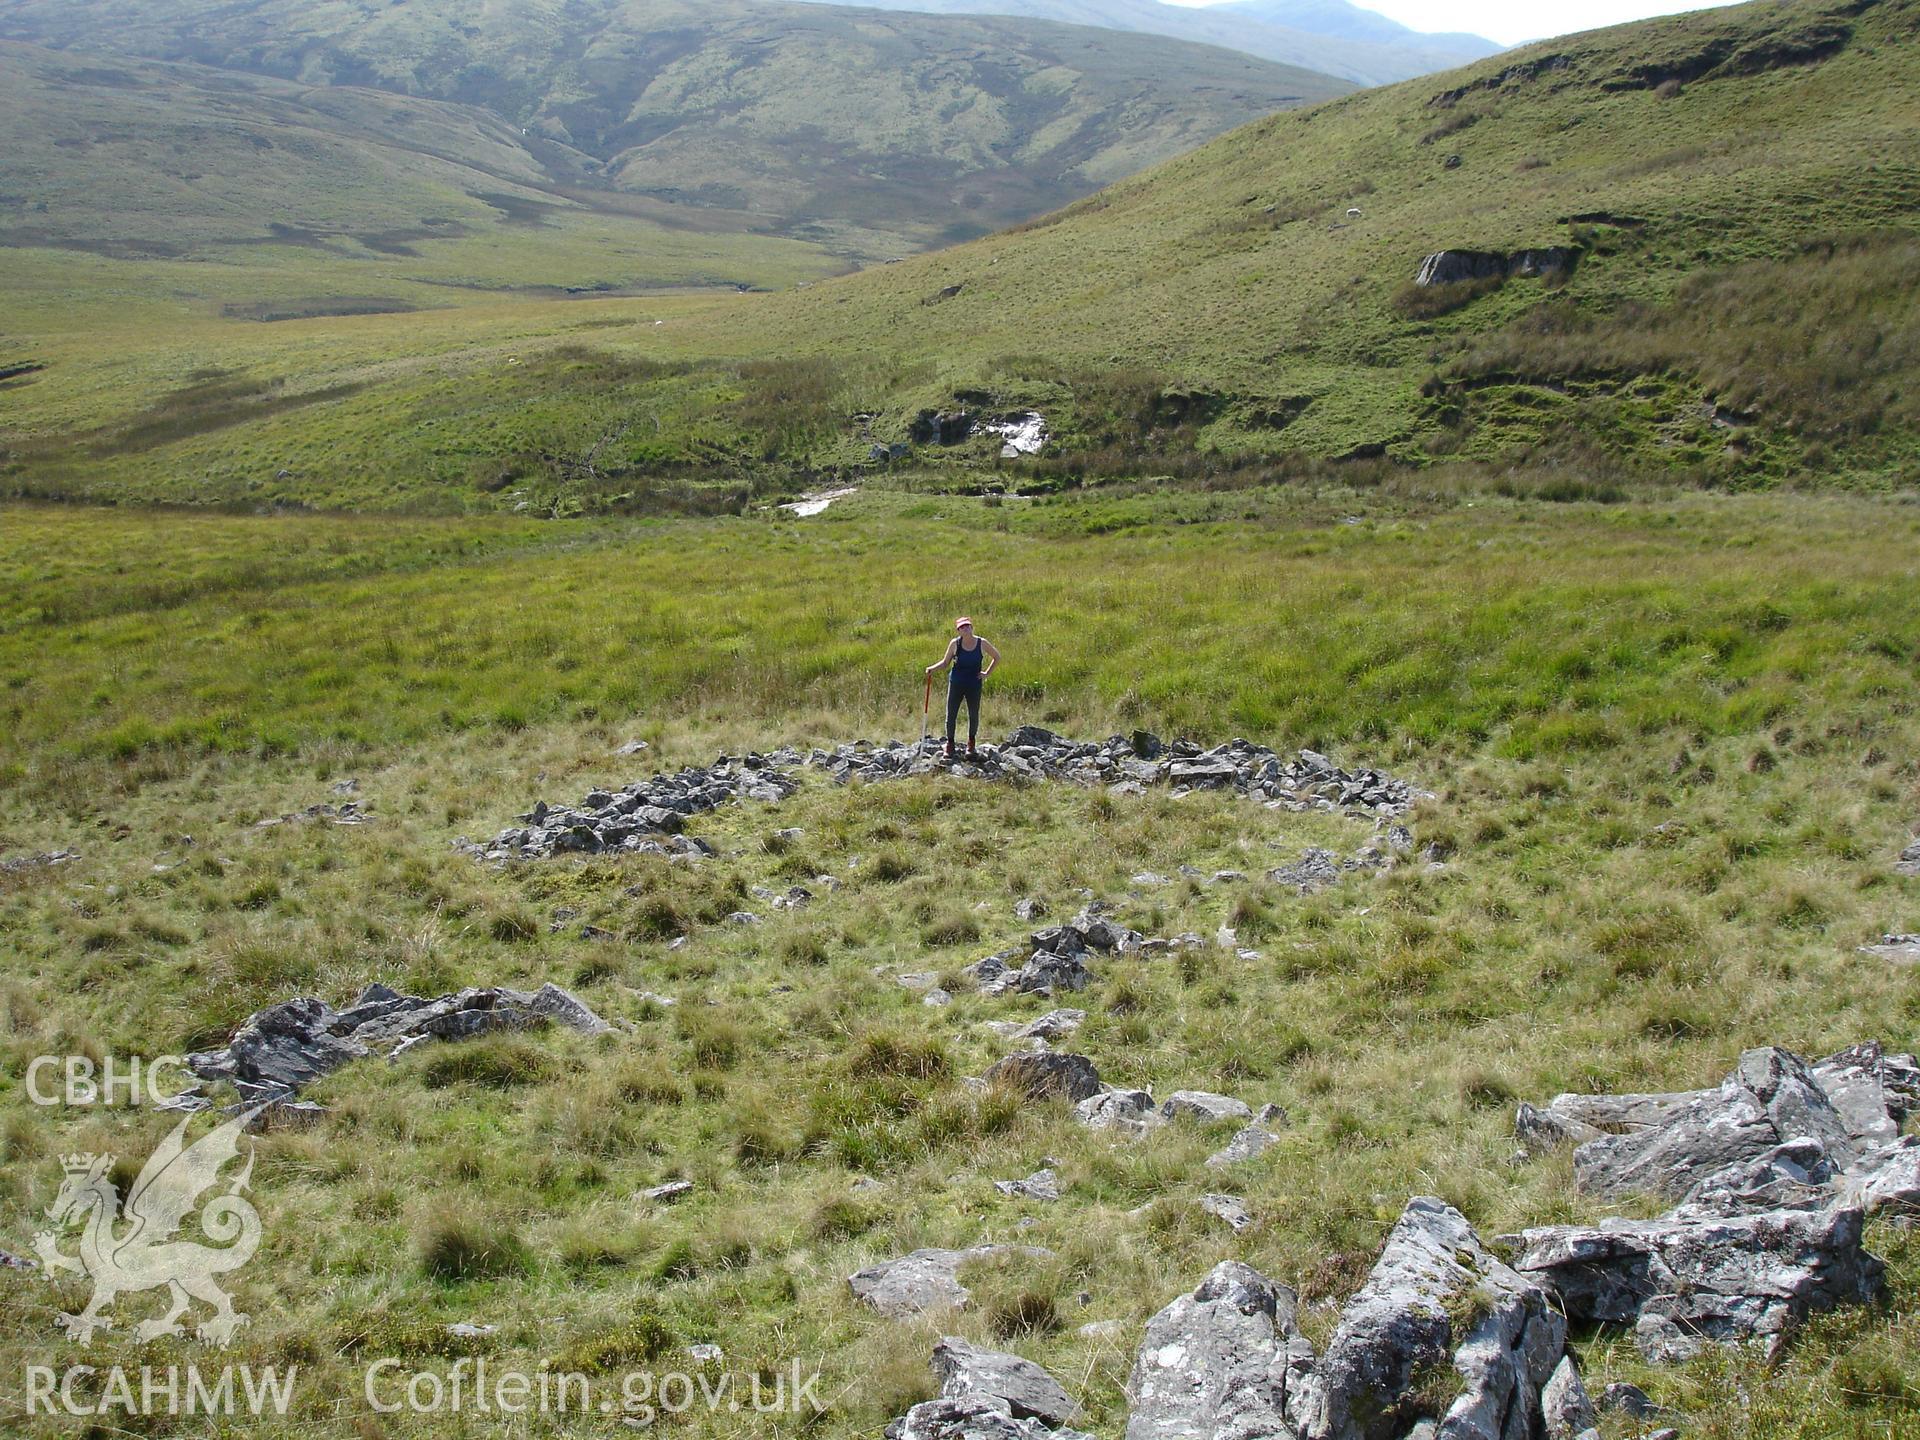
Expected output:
(1670, 748)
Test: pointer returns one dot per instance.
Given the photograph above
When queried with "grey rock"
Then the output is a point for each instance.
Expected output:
(1248, 1143)
(1029, 910)
(282, 1049)
(1131, 1111)
(1314, 870)
(1222, 1363)
(1228, 1208)
(1398, 1324)
(742, 918)
(924, 1280)
(1054, 1025)
(1565, 1408)
(1629, 1400)
(467, 1330)
(1903, 948)
(1771, 1098)
(1204, 1106)
(977, 1418)
(286, 1046)
(1686, 1281)
(1051, 972)
(1795, 1176)
(1041, 1185)
(1102, 933)
(1909, 862)
(1044, 1076)
(669, 1192)
(1888, 1179)
(1028, 1391)
(1203, 775)
(1874, 1091)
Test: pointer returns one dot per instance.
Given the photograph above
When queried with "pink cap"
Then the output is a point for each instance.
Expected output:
(963, 620)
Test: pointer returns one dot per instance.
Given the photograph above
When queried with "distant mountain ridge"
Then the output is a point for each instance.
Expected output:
(1329, 36)
(869, 132)
(1355, 22)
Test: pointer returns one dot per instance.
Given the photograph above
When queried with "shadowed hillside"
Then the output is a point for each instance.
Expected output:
(1331, 37)
(870, 133)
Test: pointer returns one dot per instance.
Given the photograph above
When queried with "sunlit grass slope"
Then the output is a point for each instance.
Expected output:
(1670, 749)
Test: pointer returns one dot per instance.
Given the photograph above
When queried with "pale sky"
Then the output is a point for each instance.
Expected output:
(1512, 21)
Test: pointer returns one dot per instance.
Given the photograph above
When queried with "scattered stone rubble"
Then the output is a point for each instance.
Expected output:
(21, 864)
(1132, 764)
(1058, 957)
(648, 816)
(1774, 1172)
(351, 813)
(279, 1051)
(645, 817)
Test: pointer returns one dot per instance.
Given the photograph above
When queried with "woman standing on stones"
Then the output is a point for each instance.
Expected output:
(968, 661)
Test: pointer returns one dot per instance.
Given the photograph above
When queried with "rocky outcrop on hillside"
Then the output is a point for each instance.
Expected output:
(1454, 267)
(1451, 1338)
(279, 1051)
(1774, 1172)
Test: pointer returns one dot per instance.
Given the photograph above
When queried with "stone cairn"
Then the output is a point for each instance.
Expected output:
(650, 816)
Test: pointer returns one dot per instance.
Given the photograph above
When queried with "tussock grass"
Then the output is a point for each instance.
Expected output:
(1627, 902)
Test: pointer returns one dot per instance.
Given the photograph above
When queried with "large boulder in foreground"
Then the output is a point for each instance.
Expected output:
(1435, 1296)
(1686, 1282)
(1220, 1362)
(1028, 1391)
(988, 1395)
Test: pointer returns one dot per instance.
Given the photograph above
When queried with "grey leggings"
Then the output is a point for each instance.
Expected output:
(971, 694)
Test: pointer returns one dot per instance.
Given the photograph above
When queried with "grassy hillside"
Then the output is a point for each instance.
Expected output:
(138, 160)
(871, 133)
(1733, 194)
(1670, 746)
(1333, 39)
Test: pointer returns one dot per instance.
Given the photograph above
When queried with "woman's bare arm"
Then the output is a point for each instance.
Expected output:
(945, 660)
(993, 658)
